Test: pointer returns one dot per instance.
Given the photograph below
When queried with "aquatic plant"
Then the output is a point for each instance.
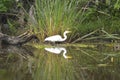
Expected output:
(56, 16)
(50, 17)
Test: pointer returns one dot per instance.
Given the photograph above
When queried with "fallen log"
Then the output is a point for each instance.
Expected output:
(17, 40)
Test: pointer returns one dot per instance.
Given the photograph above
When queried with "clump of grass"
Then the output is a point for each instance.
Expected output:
(56, 16)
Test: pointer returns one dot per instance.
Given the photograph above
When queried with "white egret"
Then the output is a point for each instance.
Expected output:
(57, 38)
(58, 50)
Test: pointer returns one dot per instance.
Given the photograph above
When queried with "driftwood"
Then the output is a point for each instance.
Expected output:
(17, 40)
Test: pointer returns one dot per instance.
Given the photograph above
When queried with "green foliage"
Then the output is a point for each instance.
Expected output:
(52, 17)
(117, 4)
(12, 26)
(56, 16)
(5, 5)
(104, 14)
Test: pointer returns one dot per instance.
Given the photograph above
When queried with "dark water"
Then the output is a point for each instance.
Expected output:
(27, 63)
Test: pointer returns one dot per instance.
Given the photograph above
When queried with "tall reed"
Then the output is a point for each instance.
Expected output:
(56, 16)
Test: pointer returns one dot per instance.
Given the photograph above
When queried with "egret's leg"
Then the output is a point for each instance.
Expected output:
(52, 43)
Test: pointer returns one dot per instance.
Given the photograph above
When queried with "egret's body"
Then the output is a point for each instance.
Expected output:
(57, 38)
(58, 50)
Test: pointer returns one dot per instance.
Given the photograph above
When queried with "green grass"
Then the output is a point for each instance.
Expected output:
(50, 17)
(55, 16)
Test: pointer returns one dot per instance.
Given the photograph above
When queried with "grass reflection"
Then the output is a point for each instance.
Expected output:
(13, 67)
(85, 64)
(52, 67)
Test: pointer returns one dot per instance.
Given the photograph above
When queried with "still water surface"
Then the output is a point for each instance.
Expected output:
(59, 63)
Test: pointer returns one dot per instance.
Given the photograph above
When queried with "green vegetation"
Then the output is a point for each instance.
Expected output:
(90, 20)
(54, 17)
(97, 63)
(49, 17)
(6, 5)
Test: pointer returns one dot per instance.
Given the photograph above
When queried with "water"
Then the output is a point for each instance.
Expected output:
(59, 63)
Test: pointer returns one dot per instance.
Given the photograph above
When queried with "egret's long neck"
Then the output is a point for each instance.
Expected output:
(65, 36)
(64, 52)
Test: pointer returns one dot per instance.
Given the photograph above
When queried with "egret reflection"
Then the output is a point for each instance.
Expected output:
(58, 50)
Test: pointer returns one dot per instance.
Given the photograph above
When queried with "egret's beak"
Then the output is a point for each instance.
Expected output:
(68, 57)
(69, 31)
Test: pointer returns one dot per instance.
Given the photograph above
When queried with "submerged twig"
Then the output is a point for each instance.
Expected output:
(88, 55)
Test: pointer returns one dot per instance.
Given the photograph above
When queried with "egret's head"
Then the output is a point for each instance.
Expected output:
(67, 32)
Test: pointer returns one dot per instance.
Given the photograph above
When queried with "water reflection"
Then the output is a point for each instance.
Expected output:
(15, 62)
(58, 50)
(25, 63)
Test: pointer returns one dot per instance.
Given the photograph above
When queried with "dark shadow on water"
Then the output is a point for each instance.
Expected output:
(15, 62)
(16, 49)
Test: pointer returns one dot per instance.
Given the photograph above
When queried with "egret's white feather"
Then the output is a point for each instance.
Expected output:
(53, 38)
(58, 50)
(57, 38)
(54, 50)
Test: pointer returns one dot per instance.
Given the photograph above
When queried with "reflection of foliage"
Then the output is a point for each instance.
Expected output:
(52, 67)
(86, 64)
(15, 63)
(13, 66)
